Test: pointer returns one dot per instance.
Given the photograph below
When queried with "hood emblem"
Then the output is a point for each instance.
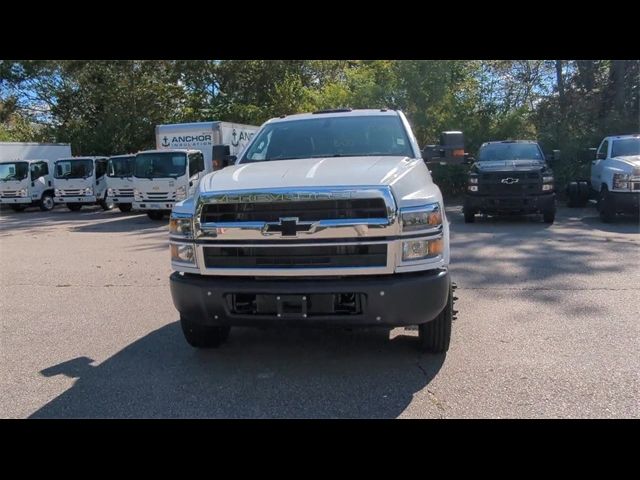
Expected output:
(287, 227)
(510, 180)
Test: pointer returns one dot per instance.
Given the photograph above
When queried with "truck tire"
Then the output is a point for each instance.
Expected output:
(46, 202)
(18, 208)
(106, 205)
(605, 206)
(155, 215)
(74, 207)
(203, 337)
(469, 216)
(549, 216)
(125, 207)
(435, 336)
(577, 194)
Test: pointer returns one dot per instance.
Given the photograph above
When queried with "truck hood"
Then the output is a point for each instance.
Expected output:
(310, 172)
(510, 165)
(633, 160)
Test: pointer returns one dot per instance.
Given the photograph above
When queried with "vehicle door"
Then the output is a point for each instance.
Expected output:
(598, 164)
(39, 178)
(196, 171)
(101, 178)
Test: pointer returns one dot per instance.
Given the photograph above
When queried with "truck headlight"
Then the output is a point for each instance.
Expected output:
(473, 179)
(420, 249)
(547, 186)
(57, 192)
(473, 188)
(109, 192)
(180, 226)
(88, 191)
(419, 218)
(137, 196)
(620, 181)
(181, 193)
(21, 193)
(182, 253)
(547, 179)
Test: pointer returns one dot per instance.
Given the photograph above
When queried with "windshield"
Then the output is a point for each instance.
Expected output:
(625, 147)
(14, 171)
(74, 168)
(509, 151)
(330, 137)
(160, 165)
(121, 166)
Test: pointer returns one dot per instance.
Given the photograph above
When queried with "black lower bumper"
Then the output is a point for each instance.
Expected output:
(390, 300)
(625, 202)
(509, 205)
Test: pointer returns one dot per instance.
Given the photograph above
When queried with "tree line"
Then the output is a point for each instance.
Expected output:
(110, 107)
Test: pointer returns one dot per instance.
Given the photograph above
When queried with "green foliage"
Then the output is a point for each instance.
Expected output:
(107, 107)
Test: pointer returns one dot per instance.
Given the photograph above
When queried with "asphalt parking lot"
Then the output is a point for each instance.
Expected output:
(548, 326)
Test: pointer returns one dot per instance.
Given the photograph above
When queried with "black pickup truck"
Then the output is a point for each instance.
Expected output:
(510, 177)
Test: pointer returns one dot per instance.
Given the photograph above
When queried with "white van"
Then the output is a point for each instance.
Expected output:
(81, 181)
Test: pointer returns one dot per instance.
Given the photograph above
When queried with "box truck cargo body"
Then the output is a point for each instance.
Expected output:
(203, 136)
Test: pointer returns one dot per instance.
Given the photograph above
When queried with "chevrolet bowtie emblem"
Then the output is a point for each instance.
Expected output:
(287, 227)
(510, 180)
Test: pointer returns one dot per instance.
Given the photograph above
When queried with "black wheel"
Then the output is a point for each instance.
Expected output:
(549, 216)
(469, 216)
(46, 202)
(606, 206)
(155, 215)
(105, 204)
(125, 207)
(74, 207)
(435, 336)
(203, 337)
(573, 195)
(18, 208)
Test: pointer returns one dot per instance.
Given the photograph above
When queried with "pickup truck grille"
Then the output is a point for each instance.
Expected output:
(526, 184)
(307, 211)
(320, 256)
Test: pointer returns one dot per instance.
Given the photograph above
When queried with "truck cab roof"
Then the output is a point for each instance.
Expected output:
(169, 150)
(509, 141)
(338, 112)
(622, 137)
(35, 160)
(123, 156)
(98, 157)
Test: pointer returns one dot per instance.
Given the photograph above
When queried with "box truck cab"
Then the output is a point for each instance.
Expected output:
(164, 177)
(26, 183)
(81, 181)
(120, 181)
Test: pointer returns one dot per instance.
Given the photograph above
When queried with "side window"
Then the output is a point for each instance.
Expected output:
(36, 171)
(44, 168)
(196, 163)
(602, 151)
(101, 168)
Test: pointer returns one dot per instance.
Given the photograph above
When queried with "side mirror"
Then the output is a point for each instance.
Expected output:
(469, 159)
(228, 160)
(219, 155)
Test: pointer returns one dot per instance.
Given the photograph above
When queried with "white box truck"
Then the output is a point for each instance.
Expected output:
(26, 173)
(81, 181)
(184, 154)
(203, 136)
(120, 181)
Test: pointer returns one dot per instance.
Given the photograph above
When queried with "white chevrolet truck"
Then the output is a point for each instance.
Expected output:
(329, 218)
(615, 178)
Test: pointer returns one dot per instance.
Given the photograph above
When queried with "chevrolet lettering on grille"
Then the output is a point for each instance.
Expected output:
(287, 227)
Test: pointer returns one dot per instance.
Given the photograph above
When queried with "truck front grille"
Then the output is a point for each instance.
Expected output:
(159, 196)
(9, 194)
(307, 211)
(123, 192)
(71, 193)
(527, 183)
(318, 256)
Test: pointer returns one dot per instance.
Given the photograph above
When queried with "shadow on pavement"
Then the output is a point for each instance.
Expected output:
(272, 373)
